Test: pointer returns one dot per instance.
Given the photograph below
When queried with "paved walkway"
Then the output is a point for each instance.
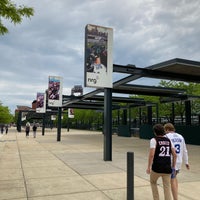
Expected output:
(73, 169)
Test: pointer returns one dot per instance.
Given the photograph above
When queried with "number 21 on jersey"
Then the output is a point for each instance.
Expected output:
(164, 151)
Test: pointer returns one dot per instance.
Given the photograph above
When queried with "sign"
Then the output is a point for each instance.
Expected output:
(70, 112)
(41, 103)
(77, 89)
(98, 64)
(55, 91)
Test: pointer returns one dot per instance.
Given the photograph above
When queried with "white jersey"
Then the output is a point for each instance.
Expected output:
(180, 146)
(99, 68)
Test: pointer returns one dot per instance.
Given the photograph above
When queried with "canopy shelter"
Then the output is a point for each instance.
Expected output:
(175, 69)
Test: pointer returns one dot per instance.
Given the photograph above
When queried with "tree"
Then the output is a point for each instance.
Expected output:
(165, 109)
(5, 116)
(13, 13)
(191, 89)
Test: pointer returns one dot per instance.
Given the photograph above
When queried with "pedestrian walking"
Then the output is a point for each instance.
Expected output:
(34, 130)
(181, 152)
(2, 129)
(27, 129)
(6, 127)
(159, 162)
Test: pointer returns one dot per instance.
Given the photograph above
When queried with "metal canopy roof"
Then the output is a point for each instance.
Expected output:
(148, 90)
(117, 99)
(96, 102)
(175, 69)
(179, 66)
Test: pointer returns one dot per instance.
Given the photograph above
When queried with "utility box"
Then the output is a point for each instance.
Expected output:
(123, 130)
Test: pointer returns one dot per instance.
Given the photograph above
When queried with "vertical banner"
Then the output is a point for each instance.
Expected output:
(98, 64)
(23, 118)
(55, 91)
(70, 112)
(41, 103)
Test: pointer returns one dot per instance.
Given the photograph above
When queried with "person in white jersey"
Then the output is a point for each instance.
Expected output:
(182, 155)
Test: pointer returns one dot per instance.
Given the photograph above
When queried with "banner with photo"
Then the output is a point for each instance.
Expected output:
(55, 91)
(23, 118)
(70, 112)
(98, 64)
(41, 102)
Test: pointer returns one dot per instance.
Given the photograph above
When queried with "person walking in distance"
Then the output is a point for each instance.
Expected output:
(182, 154)
(159, 162)
(6, 128)
(2, 129)
(34, 130)
(27, 129)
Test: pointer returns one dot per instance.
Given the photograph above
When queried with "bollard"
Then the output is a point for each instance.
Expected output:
(130, 176)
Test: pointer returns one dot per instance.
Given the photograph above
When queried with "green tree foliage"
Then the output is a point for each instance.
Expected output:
(83, 117)
(165, 109)
(191, 89)
(13, 13)
(5, 115)
(152, 100)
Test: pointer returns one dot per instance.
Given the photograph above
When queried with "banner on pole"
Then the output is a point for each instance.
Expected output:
(70, 112)
(98, 56)
(41, 102)
(55, 91)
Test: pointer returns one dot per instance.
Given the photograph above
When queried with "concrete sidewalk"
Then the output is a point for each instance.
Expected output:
(73, 169)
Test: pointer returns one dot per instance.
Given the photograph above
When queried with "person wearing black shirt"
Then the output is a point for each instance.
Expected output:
(34, 130)
(159, 162)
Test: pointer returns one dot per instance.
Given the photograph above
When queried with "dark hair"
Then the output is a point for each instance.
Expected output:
(158, 129)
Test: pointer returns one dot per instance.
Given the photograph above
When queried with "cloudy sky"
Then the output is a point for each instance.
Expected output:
(146, 32)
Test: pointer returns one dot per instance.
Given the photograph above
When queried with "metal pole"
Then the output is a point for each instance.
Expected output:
(149, 113)
(107, 124)
(157, 113)
(130, 176)
(173, 113)
(188, 112)
(67, 124)
(43, 123)
(59, 124)
(19, 120)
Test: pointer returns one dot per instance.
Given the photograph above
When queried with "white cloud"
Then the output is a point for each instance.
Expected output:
(52, 41)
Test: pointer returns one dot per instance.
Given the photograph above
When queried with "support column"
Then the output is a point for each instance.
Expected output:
(19, 120)
(43, 123)
(149, 113)
(173, 114)
(129, 121)
(59, 124)
(140, 115)
(118, 117)
(188, 112)
(157, 113)
(107, 124)
(124, 117)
